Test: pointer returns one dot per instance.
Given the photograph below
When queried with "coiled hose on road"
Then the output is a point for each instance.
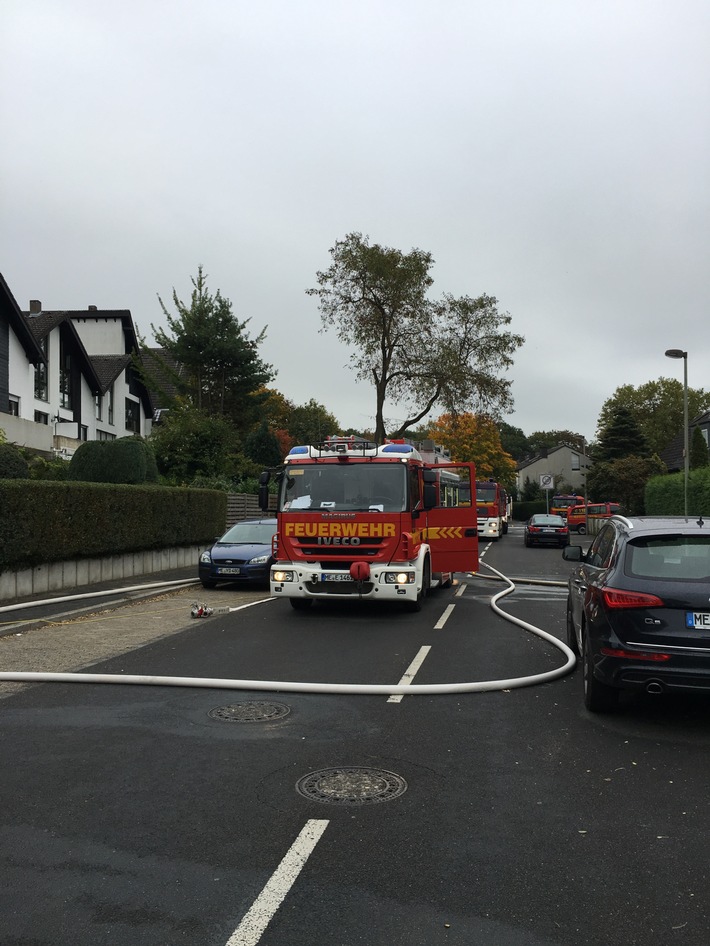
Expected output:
(295, 687)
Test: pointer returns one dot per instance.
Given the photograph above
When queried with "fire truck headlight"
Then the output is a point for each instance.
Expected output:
(277, 575)
(400, 578)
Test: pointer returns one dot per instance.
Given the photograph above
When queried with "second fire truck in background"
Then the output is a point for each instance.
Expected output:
(493, 507)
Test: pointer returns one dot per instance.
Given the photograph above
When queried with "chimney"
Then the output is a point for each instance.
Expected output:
(35, 307)
(92, 308)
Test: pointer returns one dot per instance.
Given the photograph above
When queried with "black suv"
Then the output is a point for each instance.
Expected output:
(638, 610)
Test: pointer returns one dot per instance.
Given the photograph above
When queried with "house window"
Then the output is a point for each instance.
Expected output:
(109, 404)
(104, 435)
(575, 461)
(14, 405)
(64, 377)
(133, 420)
(99, 407)
(41, 384)
(41, 417)
(83, 432)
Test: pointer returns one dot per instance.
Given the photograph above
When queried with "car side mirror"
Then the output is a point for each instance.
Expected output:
(573, 553)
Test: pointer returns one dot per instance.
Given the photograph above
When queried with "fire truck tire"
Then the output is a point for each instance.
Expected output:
(300, 604)
(582, 529)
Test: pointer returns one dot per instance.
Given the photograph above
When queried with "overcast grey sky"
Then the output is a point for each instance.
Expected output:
(552, 153)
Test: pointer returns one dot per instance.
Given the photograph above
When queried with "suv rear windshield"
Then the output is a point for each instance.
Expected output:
(677, 557)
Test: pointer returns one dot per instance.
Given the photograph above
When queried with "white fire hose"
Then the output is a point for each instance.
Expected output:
(366, 689)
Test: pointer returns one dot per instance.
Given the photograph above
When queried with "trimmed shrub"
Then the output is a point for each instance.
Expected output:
(523, 510)
(126, 460)
(13, 465)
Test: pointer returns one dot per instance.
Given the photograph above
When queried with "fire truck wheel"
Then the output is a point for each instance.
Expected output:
(300, 604)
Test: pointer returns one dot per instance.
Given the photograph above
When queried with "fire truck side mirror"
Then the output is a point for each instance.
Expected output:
(431, 489)
(264, 491)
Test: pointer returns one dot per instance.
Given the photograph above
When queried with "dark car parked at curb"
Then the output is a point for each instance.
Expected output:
(243, 554)
(638, 609)
(544, 529)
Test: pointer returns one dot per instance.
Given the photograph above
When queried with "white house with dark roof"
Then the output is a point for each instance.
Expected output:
(563, 462)
(67, 376)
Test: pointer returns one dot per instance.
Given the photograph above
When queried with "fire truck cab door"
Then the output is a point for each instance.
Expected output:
(451, 531)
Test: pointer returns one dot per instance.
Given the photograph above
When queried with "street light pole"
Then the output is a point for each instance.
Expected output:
(679, 353)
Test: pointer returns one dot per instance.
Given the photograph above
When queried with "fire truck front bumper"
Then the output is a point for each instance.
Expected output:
(488, 529)
(386, 583)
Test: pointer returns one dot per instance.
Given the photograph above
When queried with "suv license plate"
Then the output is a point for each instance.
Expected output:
(697, 619)
(335, 577)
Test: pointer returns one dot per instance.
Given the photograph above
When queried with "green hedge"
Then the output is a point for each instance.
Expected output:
(523, 510)
(665, 495)
(45, 521)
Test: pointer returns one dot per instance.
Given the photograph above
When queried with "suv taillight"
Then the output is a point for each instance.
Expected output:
(615, 598)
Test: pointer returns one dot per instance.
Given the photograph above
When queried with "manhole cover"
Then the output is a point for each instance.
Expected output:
(250, 711)
(351, 785)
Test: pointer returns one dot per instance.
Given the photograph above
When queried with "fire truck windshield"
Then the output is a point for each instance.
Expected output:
(351, 487)
(486, 492)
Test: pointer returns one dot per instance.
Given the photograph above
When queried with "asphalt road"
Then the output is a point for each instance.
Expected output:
(153, 816)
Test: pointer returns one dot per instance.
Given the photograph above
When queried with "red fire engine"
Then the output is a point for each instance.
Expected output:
(493, 509)
(366, 521)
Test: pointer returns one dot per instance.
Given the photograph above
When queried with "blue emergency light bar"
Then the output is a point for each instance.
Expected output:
(397, 448)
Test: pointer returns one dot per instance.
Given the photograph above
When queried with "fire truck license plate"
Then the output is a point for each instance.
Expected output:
(697, 619)
(337, 576)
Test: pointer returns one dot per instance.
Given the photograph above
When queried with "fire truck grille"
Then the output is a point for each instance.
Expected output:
(368, 548)
(331, 588)
(355, 553)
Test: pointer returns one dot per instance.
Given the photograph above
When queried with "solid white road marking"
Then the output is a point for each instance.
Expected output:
(411, 671)
(444, 617)
(259, 915)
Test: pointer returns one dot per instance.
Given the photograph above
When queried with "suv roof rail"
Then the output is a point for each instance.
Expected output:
(627, 522)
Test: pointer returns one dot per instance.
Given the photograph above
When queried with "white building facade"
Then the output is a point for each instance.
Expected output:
(68, 376)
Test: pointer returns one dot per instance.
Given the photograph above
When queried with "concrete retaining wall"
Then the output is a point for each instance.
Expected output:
(67, 576)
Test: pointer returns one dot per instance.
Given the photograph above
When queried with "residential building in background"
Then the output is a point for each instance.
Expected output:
(67, 376)
(564, 463)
